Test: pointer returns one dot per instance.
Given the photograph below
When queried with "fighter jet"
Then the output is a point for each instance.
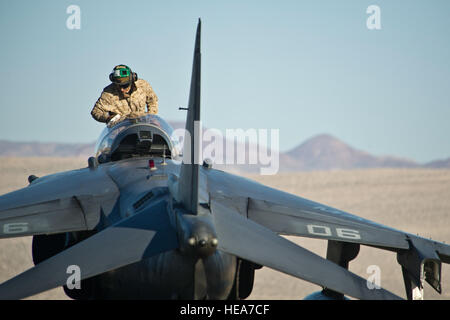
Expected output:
(143, 221)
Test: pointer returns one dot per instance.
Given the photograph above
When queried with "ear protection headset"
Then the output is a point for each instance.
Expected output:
(133, 75)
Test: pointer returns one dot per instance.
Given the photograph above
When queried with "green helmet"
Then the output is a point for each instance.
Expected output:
(122, 75)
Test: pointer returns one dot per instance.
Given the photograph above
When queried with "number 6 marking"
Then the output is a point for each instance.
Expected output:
(348, 233)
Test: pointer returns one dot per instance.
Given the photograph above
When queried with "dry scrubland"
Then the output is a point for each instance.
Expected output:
(413, 200)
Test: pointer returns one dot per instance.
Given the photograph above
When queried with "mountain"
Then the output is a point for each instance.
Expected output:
(41, 149)
(438, 164)
(54, 149)
(321, 152)
(325, 152)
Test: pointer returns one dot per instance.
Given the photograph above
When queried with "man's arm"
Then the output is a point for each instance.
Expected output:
(152, 99)
(101, 111)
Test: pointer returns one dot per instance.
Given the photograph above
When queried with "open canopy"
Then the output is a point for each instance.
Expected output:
(145, 135)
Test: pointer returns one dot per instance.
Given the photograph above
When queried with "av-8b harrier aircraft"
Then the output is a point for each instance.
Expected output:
(140, 222)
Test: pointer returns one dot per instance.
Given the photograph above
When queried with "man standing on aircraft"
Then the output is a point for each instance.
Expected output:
(126, 96)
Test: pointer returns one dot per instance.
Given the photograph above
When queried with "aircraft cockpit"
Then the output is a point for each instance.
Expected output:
(148, 135)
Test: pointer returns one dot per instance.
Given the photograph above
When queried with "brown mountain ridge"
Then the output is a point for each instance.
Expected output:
(321, 152)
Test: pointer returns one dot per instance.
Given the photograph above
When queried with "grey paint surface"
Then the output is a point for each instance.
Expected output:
(62, 202)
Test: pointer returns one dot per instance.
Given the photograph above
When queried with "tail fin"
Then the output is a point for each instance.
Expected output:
(188, 185)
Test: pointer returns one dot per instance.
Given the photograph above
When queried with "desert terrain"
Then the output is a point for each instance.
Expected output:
(413, 200)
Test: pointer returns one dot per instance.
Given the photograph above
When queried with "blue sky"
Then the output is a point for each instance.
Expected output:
(305, 67)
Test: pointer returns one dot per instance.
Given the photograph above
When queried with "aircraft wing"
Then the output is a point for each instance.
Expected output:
(251, 241)
(62, 202)
(287, 214)
(128, 241)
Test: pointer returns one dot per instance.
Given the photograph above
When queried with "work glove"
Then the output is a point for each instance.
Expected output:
(113, 120)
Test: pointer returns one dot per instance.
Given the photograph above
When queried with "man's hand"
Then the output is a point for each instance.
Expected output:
(110, 116)
(114, 120)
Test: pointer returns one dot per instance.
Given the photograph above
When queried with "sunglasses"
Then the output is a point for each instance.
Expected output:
(121, 73)
(123, 86)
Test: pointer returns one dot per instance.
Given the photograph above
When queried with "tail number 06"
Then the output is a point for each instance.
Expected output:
(325, 231)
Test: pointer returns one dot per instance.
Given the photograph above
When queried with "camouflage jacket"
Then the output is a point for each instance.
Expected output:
(112, 102)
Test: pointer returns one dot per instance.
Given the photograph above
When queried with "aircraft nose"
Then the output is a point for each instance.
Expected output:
(197, 235)
(203, 245)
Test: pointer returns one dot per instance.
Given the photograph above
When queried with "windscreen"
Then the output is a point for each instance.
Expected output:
(109, 134)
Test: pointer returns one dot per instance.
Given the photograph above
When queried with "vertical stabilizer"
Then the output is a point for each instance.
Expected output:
(188, 187)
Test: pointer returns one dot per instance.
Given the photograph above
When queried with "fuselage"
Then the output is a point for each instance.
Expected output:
(169, 275)
(143, 162)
